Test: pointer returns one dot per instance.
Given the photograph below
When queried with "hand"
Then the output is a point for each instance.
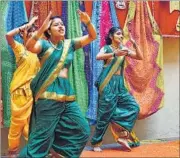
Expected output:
(47, 22)
(120, 52)
(84, 17)
(22, 29)
(32, 21)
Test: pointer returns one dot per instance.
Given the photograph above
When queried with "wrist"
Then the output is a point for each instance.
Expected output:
(35, 37)
(114, 55)
(128, 52)
(88, 23)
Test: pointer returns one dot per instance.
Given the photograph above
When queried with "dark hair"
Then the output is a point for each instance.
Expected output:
(46, 32)
(111, 33)
(30, 29)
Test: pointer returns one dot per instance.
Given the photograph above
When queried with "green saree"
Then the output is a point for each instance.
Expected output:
(58, 120)
(115, 104)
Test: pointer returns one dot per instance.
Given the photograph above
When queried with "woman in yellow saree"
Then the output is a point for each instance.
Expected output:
(21, 95)
(115, 104)
(58, 121)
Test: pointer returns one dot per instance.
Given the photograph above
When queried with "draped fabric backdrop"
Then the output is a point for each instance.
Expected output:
(103, 18)
(76, 71)
(42, 8)
(15, 15)
(85, 68)
(145, 78)
(87, 50)
(95, 66)
(6, 68)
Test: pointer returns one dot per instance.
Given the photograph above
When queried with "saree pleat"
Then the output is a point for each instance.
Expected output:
(144, 79)
(76, 72)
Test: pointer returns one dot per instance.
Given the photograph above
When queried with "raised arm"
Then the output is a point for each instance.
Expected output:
(84, 40)
(10, 35)
(33, 44)
(103, 56)
(136, 53)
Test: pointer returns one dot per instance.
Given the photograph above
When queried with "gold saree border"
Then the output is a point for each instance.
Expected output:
(54, 74)
(47, 54)
(111, 73)
(58, 97)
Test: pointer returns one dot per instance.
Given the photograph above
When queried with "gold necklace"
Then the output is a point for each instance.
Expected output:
(55, 47)
(114, 47)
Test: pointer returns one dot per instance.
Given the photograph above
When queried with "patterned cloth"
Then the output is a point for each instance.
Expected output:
(103, 17)
(76, 71)
(42, 8)
(14, 16)
(87, 50)
(5, 64)
(145, 78)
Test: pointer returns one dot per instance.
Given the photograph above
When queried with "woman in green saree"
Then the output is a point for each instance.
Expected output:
(115, 104)
(58, 121)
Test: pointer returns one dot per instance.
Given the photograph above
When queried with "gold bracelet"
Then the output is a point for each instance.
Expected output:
(35, 37)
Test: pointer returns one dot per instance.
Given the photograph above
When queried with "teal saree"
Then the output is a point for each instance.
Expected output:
(115, 104)
(58, 122)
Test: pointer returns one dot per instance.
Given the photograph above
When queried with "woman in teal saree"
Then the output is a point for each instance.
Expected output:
(115, 104)
(58, 122)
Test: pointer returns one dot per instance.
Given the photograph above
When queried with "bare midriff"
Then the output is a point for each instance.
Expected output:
(118, 72)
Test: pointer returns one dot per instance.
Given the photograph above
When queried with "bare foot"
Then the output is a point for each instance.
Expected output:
(12, 154)
(124, 143)
(97, 149)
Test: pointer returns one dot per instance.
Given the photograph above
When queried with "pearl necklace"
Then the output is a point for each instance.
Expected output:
(54, 46)
(116, 47)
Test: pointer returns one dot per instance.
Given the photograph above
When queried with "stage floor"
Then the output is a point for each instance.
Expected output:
(146, 149)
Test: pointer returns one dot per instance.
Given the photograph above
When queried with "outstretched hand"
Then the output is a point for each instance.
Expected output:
(47, 21)
(84, 17)
(33, 20)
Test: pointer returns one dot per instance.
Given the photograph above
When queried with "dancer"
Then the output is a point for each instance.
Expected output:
(115, 104)
(59, 123)
(21, 95)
